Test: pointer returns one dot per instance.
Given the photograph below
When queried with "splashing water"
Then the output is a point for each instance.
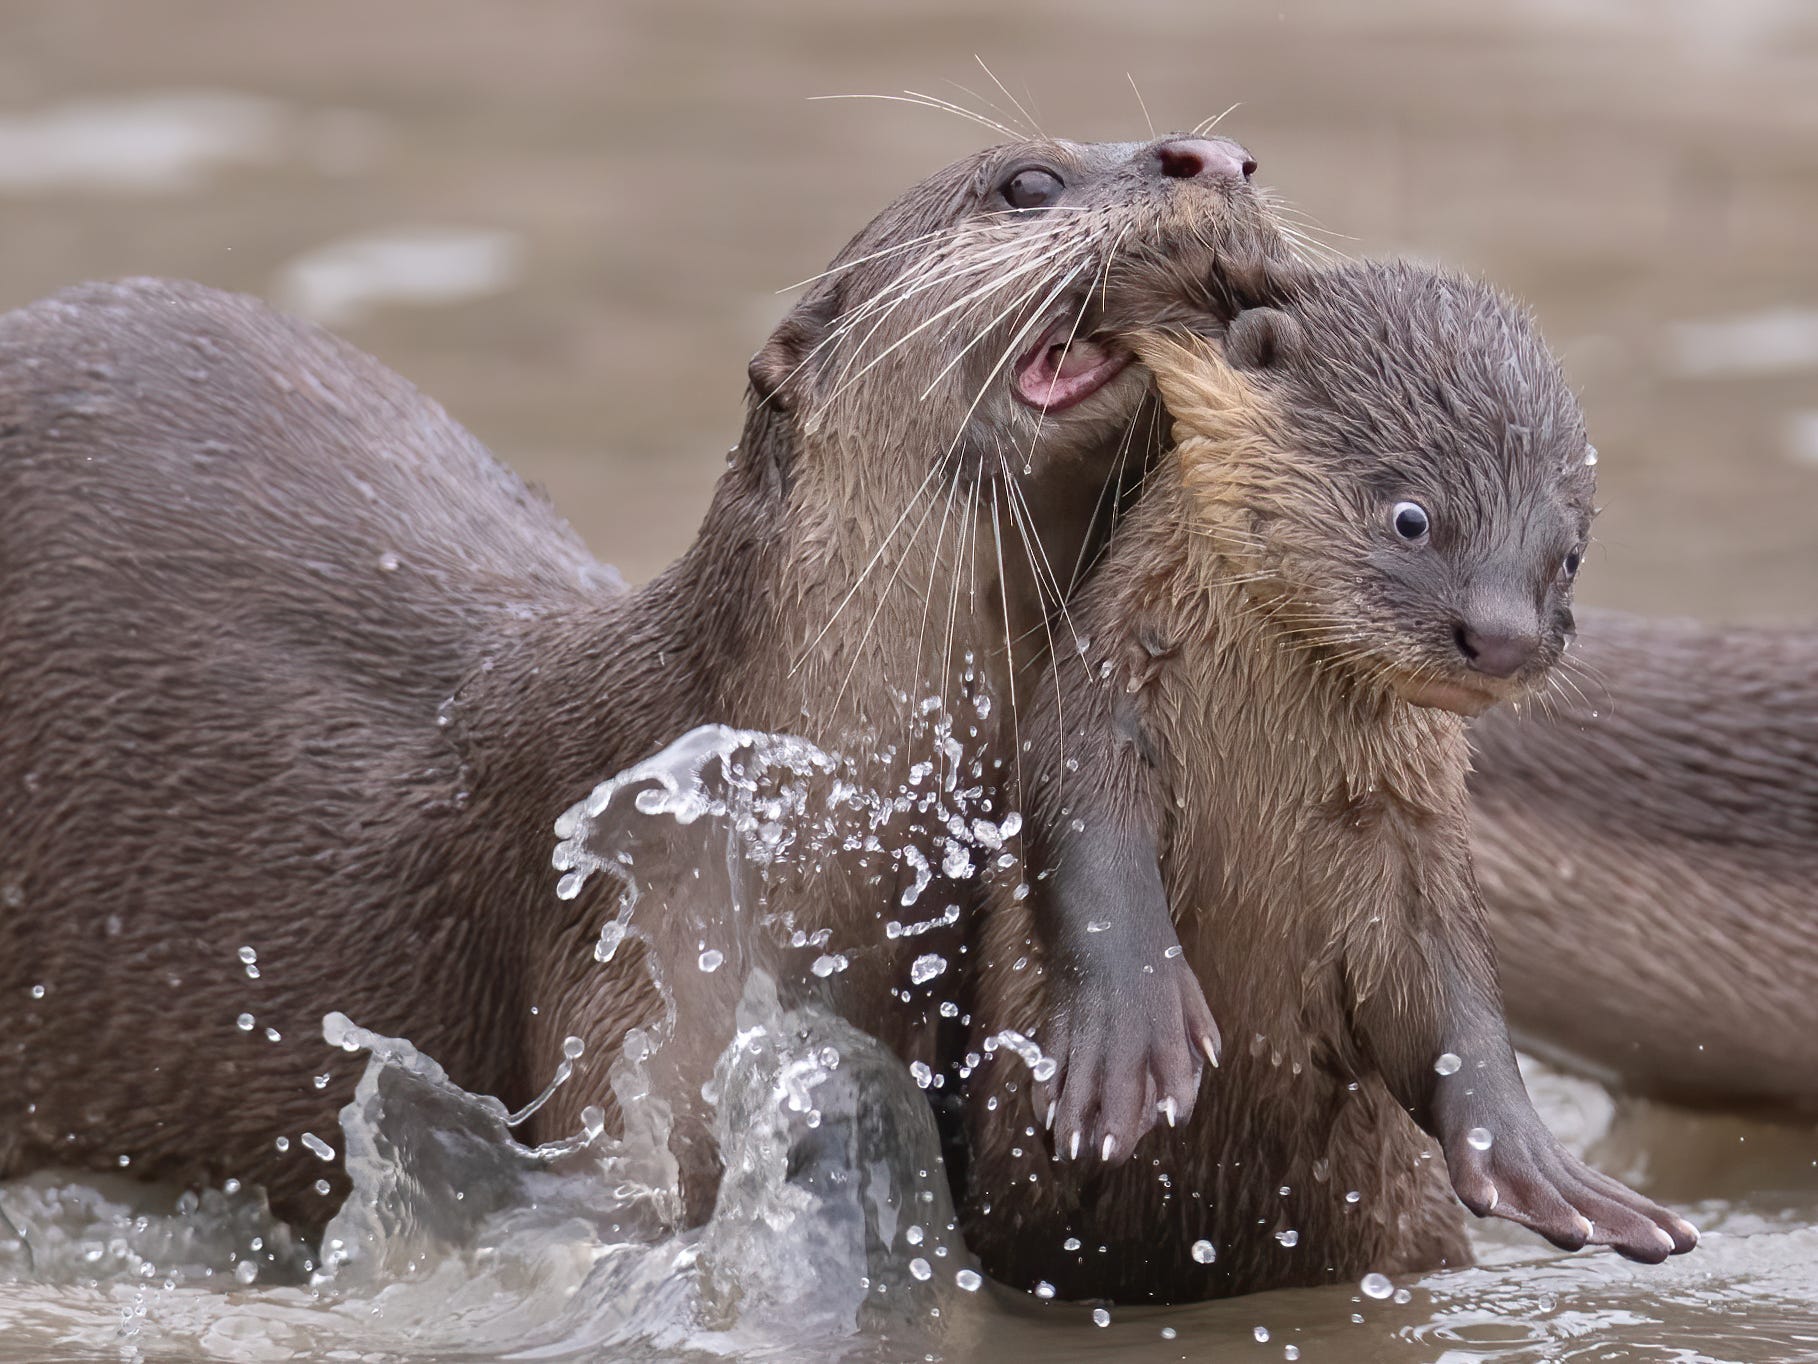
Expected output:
(457, 1240)
(832, 1235)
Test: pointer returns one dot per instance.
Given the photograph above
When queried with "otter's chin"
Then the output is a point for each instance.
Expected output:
(1064, 369)
(1459, 697)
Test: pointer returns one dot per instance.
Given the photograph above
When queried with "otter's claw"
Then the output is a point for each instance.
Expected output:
(1527, 1177)
(1130, 1046)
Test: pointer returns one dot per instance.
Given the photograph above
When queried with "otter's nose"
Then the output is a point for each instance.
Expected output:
(1213, 158)
(1494, 651)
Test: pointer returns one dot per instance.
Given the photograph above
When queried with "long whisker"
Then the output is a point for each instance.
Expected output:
(1142, 104)
(928, 102)
(866, 571)
(1206, 125)
(1028, 118)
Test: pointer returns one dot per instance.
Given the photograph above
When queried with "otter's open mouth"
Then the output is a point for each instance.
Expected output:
(1064, 368)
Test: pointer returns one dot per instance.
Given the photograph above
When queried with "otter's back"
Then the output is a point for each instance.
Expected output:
(241, 566)
(178, 465)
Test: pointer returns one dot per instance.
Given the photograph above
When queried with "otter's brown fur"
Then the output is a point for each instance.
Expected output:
(1244, 722)
(1647, 842)
(288, 662)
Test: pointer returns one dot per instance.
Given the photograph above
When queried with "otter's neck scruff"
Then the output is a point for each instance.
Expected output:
(287, 660)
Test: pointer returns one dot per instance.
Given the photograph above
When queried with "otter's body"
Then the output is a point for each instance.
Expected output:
(1255, 784)
(1655, 826)
(288, 662)
(1311, 791)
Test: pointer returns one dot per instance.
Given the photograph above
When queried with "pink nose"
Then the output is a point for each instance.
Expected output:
(1185, 158)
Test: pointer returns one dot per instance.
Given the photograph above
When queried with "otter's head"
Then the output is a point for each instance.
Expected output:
(1392, 460)
(968, 328)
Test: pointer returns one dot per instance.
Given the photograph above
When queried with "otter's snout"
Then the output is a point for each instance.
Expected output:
(1496, 650)
(1211, 158)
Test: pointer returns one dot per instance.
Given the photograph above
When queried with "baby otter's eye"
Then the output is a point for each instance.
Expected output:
(1572, 561)
(1032, 187)
(1410, 520)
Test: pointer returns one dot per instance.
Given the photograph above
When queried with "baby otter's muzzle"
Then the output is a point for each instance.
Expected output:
(1496, 650)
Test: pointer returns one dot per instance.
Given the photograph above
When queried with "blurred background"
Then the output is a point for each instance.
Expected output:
(570, 221)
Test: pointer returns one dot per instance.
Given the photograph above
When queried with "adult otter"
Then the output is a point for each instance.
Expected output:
(288, 662)
(1653, 830)
(1370, 529)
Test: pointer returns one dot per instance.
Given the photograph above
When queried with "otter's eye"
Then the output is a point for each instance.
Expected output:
(1410, 520)
(1572, 561)
(1032, 188)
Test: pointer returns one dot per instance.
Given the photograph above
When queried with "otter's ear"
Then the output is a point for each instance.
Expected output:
(1261, 338)
(779, 372)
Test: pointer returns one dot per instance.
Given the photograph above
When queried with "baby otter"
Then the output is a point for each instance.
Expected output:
(1368, 531)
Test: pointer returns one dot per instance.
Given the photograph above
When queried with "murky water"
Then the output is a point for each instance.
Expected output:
(570, 221)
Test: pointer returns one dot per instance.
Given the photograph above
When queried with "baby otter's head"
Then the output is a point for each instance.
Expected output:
(1391, 461)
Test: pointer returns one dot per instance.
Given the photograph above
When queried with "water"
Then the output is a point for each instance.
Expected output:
(833, 1231)
(571, 228)
(833, 1235)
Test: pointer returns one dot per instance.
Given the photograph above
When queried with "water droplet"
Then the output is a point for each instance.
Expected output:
(246, 1271)
(712, 959)
(388, 562)
(273, 1035)
(1097, 925)
(573, 1048)
(322, 1186)
(244, 1022)
(1352, 1196)
(230, 1186)
(925, 968)
(283, 1143)
(1376, 1286)
(1044, 1290)
(1173, 952)
(968, 1280)
(248, 956)
(1289, 1238)
(921, 1269)
(829, 964)
(923, 1075)
(1403, 1296)
(1590, 454)
(1479, 1138)
(321, 1149)
(1168, 1333)
(1100, 1317)
(1205, 1252)
(570, 886)
(321, 1081)
(1290, 1352)
(1447, 1064)
(37, 992)
(1071, 1243)
(1262, 1335)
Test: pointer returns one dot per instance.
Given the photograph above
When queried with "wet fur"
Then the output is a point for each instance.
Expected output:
(1655, 825)
(1242, 727)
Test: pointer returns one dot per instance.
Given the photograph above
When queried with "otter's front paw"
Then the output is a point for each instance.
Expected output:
(1130, 1043)
(1526, 1176)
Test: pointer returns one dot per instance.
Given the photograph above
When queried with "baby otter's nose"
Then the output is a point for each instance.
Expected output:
(1214, 158)
(1495, 651)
